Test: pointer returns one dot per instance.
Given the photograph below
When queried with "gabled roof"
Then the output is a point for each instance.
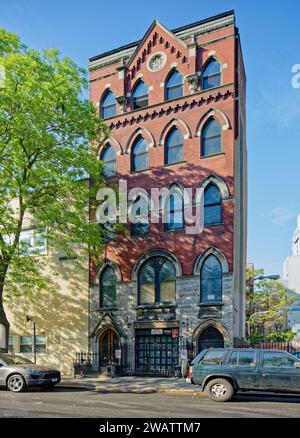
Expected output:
(174, 31)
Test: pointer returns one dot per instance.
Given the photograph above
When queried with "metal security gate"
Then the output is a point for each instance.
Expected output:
(156, 354)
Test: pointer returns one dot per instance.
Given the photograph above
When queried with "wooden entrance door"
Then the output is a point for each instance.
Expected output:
(108, 344)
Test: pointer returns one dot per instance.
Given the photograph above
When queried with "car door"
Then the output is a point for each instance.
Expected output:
(278, 372)
(242, 365)
(2, 372)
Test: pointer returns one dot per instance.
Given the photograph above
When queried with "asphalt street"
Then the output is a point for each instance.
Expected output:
(66, 403)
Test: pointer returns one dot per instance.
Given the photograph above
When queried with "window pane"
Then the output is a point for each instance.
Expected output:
(212, 358)
(233, 358)
(271, 359)
(140, 155)
(211, 280)
(140, 95)
(26, 344)
(109, 160)
(40, 344)
(174, 92)
(211, 75)
(167, 282)
(212, 195)
(212, 215)
(147, 284)
(247, 358)
(175, 212)
(174, 147)
(211, 138)
(108, 288)
(108, 105)
(139, 229)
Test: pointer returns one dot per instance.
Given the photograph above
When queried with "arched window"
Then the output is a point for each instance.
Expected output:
(108, 157)
(141, 225)
(174, 147)
(108, 105)
(157, 281)
(140, 95)
(211, 138)
(108, 287)
(211, 280)
(174, 86)
(211, 75)
(212, 205)
(139, 155)
(174, 213)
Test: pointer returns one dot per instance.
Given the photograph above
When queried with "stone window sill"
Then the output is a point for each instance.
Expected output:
(156, 306)
(211, 304)
(107, 309)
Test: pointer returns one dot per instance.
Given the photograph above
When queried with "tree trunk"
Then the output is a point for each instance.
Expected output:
(3, 320)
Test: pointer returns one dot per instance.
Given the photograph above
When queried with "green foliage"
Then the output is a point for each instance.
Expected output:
(46, 129)
(285, 336)
(267, 301)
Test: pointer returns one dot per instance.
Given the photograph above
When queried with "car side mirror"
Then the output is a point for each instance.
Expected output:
(296, 364)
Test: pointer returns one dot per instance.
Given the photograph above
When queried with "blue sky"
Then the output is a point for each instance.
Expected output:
(270, 41)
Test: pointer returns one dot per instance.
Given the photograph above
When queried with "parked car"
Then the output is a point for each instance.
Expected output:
(17, 373)
(224, 371)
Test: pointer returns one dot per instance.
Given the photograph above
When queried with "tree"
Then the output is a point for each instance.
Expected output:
(46, 127)
(267, 301)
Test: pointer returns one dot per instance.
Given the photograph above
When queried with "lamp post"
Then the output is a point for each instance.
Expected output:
(29, 319)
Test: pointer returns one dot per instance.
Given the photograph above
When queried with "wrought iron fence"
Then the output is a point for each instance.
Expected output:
(292, 347)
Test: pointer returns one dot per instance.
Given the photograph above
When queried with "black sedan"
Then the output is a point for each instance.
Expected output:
(18, 373)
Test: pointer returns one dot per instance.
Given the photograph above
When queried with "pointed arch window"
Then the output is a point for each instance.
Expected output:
(211, 75)
(108, 105)
(157, 281)
(211, 281)
(174, 147)
(108, 287)
(174, 212)
(109, 159)
(140, 95)
(174, 86)
(139, 155)
(211, 138)
(212, 205)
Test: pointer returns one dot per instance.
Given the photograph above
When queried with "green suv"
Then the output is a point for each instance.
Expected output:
(223, 371)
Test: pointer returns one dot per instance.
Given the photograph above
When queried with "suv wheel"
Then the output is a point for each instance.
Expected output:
(220, 390)
(16, 383)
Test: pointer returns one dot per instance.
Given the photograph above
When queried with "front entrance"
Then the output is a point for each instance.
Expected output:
(210, 337)
(108, 344)
(156, 354)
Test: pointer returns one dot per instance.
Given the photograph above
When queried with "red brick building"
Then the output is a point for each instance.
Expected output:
(175, 105)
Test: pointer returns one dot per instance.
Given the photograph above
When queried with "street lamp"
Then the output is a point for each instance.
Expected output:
(29, 319)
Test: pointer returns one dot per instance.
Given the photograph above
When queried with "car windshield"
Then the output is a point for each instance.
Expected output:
(15, 360)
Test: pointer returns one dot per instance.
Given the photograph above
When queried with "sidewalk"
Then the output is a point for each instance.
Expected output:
(135, 385)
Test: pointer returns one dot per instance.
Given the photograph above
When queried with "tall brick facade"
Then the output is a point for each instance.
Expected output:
(139, 330)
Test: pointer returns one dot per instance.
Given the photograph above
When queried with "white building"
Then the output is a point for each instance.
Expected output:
(291, 277)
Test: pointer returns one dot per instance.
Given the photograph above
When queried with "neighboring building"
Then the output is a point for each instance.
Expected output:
(60, 313)
(291, 278)
(175, 105)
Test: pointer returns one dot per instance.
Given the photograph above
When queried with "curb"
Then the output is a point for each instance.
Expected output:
(76, 386)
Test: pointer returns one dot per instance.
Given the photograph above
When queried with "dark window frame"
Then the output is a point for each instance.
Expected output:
(134, 155)
(213, 75)
(172, 212)
(105, 149)
(157, 263)
(101, 301)
(219, 278)
(204, 138)
(169, 88)
(173, 147)
(208, 205)
(140, 102)
(105, 107)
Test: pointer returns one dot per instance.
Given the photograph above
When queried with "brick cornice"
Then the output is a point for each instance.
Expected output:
(172, 107)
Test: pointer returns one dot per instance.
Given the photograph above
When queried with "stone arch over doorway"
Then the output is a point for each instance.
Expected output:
(211, 334)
